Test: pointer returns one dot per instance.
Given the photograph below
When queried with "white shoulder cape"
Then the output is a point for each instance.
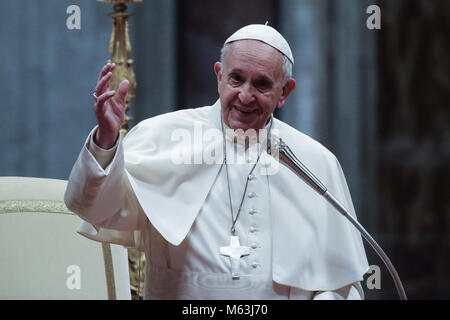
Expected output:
(314, 247)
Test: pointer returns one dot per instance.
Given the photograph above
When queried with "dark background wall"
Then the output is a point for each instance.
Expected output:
(378, 99)
(413, 163)
(202, 30)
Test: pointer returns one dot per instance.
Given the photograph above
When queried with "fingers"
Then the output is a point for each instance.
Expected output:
(104, 79)
(99, 105)
(119, 109)
(103, 84)
(104, 94)
(109, 67)
(122, 92)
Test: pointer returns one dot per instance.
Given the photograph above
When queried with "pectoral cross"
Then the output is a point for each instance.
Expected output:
(235, 251)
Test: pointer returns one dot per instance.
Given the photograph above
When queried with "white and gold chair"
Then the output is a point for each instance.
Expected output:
(42, 256)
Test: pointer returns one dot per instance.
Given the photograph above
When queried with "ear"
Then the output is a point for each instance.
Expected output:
(287, 89)
(218, 70)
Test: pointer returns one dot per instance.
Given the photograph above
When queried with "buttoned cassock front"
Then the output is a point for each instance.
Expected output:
(297, 239)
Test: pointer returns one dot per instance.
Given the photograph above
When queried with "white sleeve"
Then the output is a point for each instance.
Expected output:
(101, 195)
(103, 156)
(353, 291)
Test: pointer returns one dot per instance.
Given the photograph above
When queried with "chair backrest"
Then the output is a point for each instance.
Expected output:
(42, 256)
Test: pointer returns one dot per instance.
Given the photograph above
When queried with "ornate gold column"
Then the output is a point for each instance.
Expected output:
(120, 49)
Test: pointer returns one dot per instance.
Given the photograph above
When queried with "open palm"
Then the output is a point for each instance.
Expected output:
(109, 108)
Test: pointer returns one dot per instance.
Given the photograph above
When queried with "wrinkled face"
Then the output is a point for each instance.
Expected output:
(250, 84)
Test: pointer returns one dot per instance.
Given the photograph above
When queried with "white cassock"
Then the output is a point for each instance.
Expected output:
(137, 195)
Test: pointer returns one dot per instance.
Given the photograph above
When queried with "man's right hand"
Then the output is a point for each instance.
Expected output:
(109, 110)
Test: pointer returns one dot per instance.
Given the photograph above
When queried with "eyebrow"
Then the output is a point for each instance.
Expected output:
(261, 77)
(236, 71)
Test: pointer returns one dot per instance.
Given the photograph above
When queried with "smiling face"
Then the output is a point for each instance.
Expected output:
(250, 84)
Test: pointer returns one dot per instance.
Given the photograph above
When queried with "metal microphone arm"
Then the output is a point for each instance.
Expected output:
(287, 157)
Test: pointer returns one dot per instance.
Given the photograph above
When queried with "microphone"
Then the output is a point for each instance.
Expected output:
(288, 158)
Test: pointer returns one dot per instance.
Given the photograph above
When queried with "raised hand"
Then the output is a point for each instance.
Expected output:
(109, 110)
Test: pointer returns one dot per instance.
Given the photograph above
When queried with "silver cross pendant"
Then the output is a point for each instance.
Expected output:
(235, 251)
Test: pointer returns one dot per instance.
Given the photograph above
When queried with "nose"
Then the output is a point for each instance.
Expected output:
(246, 95)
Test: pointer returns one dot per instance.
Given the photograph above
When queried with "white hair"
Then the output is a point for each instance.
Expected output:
(287, 64)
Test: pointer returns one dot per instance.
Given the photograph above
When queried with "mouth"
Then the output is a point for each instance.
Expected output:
(244, 110)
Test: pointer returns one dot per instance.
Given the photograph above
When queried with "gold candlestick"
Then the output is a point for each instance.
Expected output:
(120, 49)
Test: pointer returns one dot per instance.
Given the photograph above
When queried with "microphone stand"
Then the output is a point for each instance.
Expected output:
(287, 157)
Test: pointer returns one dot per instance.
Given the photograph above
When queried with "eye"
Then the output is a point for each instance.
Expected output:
(235, 79)
(263, 85)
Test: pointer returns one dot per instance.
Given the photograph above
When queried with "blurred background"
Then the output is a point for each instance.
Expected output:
(378, 99)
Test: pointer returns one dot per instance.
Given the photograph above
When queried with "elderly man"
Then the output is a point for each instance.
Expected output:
(238, 227)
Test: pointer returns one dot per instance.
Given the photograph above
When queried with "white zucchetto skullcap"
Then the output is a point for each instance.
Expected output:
(265, 34)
